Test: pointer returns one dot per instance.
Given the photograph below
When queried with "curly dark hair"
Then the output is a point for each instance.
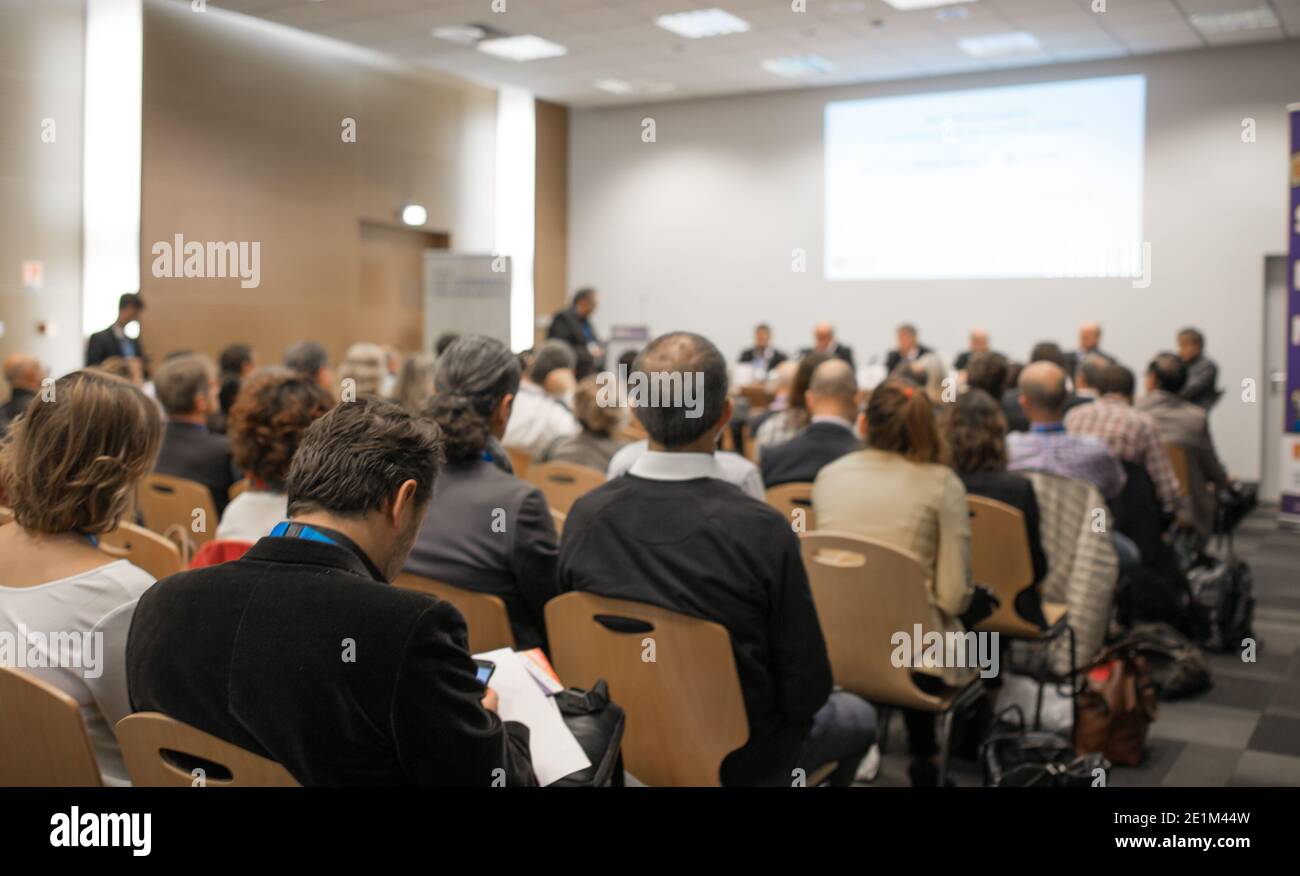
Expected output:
(975, 430)
(267, 421)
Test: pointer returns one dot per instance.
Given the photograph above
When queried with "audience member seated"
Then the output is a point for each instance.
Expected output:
(762, 357)
(414, 382)
(975, 431)
(186, 387)
(266, 425)
(538, 418)
(70, 469)
(979, 343)
(1044, 351)
(831, 434)
(444, 341)
(310, 359)
(672, 533)
(595, 445)
(1048, 447)
(303, 653)
(485, 529)
(234, 364)
(24, 374)
(793, 417)
(1129, 433)
(1088, 376)
(365, 365)
(1185, 423)
(990, 372)
(907, 351)
(824, 342)
(897, 491)
(1202, 373)
(928, 372)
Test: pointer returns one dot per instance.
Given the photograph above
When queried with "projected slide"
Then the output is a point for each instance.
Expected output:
(1026, 181)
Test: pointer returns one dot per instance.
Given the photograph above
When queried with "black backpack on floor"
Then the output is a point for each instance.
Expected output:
(1223, 595)
(1178, 667)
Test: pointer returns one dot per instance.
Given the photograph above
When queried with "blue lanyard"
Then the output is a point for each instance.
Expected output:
(288, 529)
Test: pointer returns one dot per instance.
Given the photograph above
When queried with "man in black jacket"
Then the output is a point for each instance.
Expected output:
(302, 652)
(114, 341)
(908, 349)
(762, 356)
(673, 532)
(186, 386)
(831, 434)
(573, 326)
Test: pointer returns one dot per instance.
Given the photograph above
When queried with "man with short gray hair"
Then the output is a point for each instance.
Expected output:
(538, 417)
(832, 432)
(186, 387)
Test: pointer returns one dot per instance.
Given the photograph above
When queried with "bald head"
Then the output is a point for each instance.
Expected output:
(979, 341)
(1089, 336)
(833, 390)
(23, 371)
(1043, 392)
(823, 335)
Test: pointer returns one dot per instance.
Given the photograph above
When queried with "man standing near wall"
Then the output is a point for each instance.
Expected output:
(573, 326)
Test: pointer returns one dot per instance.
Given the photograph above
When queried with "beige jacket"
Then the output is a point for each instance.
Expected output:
(919, 508)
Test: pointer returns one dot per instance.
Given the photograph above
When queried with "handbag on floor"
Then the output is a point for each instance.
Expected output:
(1020, 758)
(1116, 705)
(1178, 667)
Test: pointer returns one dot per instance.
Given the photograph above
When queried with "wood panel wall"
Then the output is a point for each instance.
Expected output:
(550, 267)
(242, 142)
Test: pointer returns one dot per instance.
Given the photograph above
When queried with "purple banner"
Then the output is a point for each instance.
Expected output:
(1290, 449)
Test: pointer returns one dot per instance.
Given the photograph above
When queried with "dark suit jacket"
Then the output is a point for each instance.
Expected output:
(459, 545)
(567, 326)
(16, 405)
(1200, 389)
(255, 652)
(894, 357)
(1016, 419)
(704, 548)
(104, 345)
(776, 357)
(192, 452)
(799, 459)
(842, 351)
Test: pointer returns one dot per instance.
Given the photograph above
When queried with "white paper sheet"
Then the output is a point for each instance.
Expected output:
(556, 753)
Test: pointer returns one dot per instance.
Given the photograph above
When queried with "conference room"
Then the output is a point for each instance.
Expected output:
(837, 394)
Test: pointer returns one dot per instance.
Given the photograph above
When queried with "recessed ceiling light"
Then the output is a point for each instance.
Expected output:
(909, 5)
(1000, 45)
(798, 67)
(1234, 20)
(621, 86)
(464, 34)
(522, 48)
(702, 23)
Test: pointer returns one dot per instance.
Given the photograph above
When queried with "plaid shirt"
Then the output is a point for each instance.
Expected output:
(1131, 435)
(1051, 449)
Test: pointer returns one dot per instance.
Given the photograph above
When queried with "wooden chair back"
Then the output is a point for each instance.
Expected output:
(168, 505)
(161, 752)
(558, 518)
(44, 738)
(794, 500)
(236, 488)
(563, 483)
(485, 615)
(1000, 560)
(866, 592)
(158, 556)
(674, 675)
(520, 460)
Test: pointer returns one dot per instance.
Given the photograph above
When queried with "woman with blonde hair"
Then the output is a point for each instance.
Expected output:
(69, 468)
(366, 365)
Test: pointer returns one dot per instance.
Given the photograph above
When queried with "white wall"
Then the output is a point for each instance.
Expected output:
(695, 231)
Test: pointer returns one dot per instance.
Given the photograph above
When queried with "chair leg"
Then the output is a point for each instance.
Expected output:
(945, 745)
(882, 731)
